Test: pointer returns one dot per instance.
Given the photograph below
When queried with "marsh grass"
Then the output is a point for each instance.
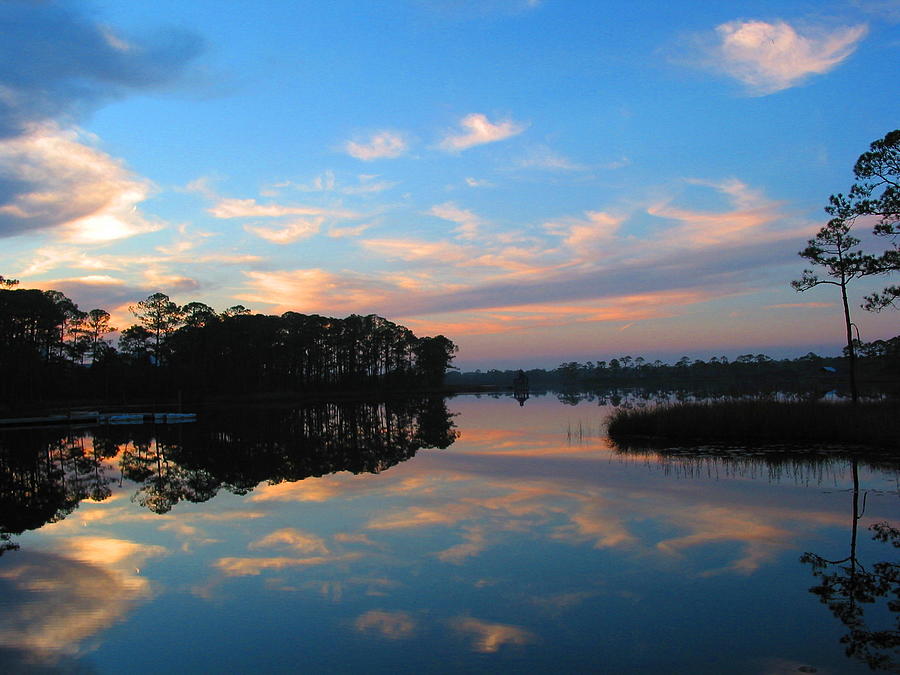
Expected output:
(763, 420)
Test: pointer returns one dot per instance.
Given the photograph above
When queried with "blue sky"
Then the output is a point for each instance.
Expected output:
(538, 180)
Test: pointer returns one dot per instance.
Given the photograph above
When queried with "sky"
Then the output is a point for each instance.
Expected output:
(539, 180)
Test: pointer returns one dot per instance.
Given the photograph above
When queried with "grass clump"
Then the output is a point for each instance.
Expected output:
(763, 420)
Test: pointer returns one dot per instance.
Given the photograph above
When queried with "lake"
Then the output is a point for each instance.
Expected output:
(463, 535)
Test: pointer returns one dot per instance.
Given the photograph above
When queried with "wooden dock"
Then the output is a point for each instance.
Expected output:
(96, 417)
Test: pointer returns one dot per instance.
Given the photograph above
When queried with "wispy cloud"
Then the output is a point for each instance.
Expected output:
(391, 625)
(769, 57)
(468, 223)
(482, 279)
(381, 145)
(886, 9)
(542, 157)
(249, 208)
(477, 129)
(317, 291)
(343, 232)
(595, 228)
(799, 305)
(287, 233)
(292, 539)
(488, 637)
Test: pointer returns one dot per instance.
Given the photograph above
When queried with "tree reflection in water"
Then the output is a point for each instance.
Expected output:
(46, 473)
(848, 588)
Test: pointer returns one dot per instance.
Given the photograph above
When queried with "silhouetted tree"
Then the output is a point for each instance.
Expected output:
(159, 315)
(835, 249)
(877, 193)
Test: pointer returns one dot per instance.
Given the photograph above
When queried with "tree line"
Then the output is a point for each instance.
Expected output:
(880, 358)
(52, 350)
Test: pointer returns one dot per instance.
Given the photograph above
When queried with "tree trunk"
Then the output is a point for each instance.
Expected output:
(851, 349)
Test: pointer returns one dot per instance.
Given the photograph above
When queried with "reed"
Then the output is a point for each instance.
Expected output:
(763, 420)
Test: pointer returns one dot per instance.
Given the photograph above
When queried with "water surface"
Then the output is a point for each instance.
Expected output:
(480, 536)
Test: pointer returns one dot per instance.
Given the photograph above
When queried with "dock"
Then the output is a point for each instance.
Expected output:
(96, 417)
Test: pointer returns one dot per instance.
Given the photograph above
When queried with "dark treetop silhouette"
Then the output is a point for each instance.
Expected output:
(44, 339)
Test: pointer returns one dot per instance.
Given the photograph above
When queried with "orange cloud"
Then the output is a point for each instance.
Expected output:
(240, 567)
(488, 638)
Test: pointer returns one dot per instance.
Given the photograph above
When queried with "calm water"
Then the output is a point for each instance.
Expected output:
(483, 536)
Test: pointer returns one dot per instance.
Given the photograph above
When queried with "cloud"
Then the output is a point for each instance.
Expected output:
(57, 603)
(249, 208)
(317, 291)
(467, 221)
(293, 539)
(488, 638)
(56, 63)
(54, 178)
(287, 233)
(288, 228)
(770, 57)
(796, 305)
(478, 130)
(95, 290)
(242, 567)
(391, 625)
(543, 157)
(342, 232)
(475, 541)
(597, 227)
(567, 271)
(381, 145)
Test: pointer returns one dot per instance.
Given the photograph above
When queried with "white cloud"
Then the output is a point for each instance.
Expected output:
(55, 179)
(477, 129)
(770, 57)
(382, 144)
(467, 221)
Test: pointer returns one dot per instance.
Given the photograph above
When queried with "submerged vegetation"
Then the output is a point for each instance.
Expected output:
(761, 420)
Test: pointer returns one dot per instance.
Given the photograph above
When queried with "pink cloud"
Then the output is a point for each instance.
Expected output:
(477, 129)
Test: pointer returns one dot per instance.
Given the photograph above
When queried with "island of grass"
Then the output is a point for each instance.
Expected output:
(875, 424)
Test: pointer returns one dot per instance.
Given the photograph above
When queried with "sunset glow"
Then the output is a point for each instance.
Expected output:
(541, 181)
